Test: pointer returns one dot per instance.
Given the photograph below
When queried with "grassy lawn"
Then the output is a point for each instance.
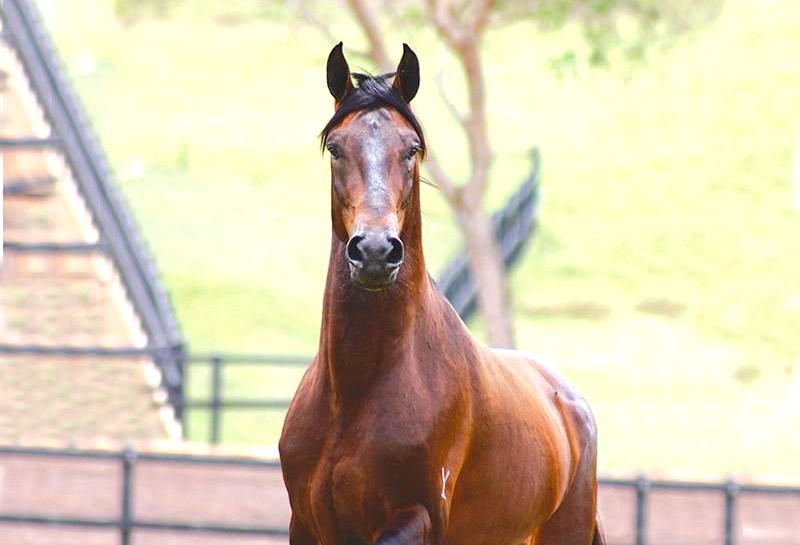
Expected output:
(663, 280)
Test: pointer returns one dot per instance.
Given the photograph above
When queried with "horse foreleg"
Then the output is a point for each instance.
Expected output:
(299, 533)
(599, 535)
(410, 526)
(575, 522)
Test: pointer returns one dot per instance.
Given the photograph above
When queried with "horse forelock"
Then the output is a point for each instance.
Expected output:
(372, 92)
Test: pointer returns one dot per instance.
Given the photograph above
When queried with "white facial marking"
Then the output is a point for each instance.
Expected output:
(444, 482)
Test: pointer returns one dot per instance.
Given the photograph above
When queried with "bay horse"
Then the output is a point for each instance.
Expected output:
(405, 430)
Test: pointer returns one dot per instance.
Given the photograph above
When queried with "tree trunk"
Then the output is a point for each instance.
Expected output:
(488, 272)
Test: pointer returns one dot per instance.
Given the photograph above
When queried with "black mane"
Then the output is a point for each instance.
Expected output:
(372, 92)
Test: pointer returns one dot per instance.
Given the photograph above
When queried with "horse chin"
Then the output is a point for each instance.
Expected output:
(370, 282)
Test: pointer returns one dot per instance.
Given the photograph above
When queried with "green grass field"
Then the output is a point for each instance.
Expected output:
(664, 277)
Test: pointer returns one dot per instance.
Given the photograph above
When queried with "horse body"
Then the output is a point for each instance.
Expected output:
(488, 442)
(404, 430)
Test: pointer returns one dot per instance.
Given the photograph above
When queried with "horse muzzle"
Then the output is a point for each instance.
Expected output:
(375, 258)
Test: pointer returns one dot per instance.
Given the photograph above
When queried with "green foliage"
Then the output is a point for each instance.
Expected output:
(624, 28)
(224, 12)
(130, 11)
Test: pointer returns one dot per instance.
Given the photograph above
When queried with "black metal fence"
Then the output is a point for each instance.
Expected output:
(127, 521)
(730, 493)
(217, 402)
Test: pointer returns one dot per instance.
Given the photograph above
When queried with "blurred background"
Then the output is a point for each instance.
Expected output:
(662, 276)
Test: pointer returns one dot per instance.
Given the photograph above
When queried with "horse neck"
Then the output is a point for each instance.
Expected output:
(363, 332)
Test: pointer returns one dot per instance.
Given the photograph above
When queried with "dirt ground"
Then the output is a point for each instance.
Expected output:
(250, 496)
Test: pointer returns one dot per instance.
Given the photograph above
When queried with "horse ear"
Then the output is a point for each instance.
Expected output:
(339, 82)
(407, 79)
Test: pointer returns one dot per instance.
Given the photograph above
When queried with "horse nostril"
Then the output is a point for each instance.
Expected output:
(354, 254)
(395, 256)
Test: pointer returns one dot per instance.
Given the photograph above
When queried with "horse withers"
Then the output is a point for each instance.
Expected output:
(404, 429)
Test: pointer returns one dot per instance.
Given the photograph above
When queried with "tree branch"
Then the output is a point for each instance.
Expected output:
(481, 18)
(307, 16)
(451, 107)
(464, 40)
(439, 11)
(452, 192)
(368, 21)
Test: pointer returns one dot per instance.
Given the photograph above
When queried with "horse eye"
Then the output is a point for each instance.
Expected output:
(412, 152)
(334, 150)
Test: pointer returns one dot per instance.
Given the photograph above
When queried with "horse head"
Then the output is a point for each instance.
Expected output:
(375, 144)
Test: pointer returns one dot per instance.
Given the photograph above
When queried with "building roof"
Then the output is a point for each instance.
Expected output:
(61, 286)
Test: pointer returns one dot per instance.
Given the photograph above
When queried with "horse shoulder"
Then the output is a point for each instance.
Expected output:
(573, 405)
(561, 395)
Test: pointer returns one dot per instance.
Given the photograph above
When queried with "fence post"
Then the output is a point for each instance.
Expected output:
(642, 488)
(128, 459)
(731, 490)
(216, 398)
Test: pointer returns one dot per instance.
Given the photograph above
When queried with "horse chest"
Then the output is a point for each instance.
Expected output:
(365, 478)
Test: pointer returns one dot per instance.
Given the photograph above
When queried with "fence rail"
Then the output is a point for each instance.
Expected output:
(127, 521)
(85, 351)
(28, 186)
(216, 401)
(25, 142)
(56, 247)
